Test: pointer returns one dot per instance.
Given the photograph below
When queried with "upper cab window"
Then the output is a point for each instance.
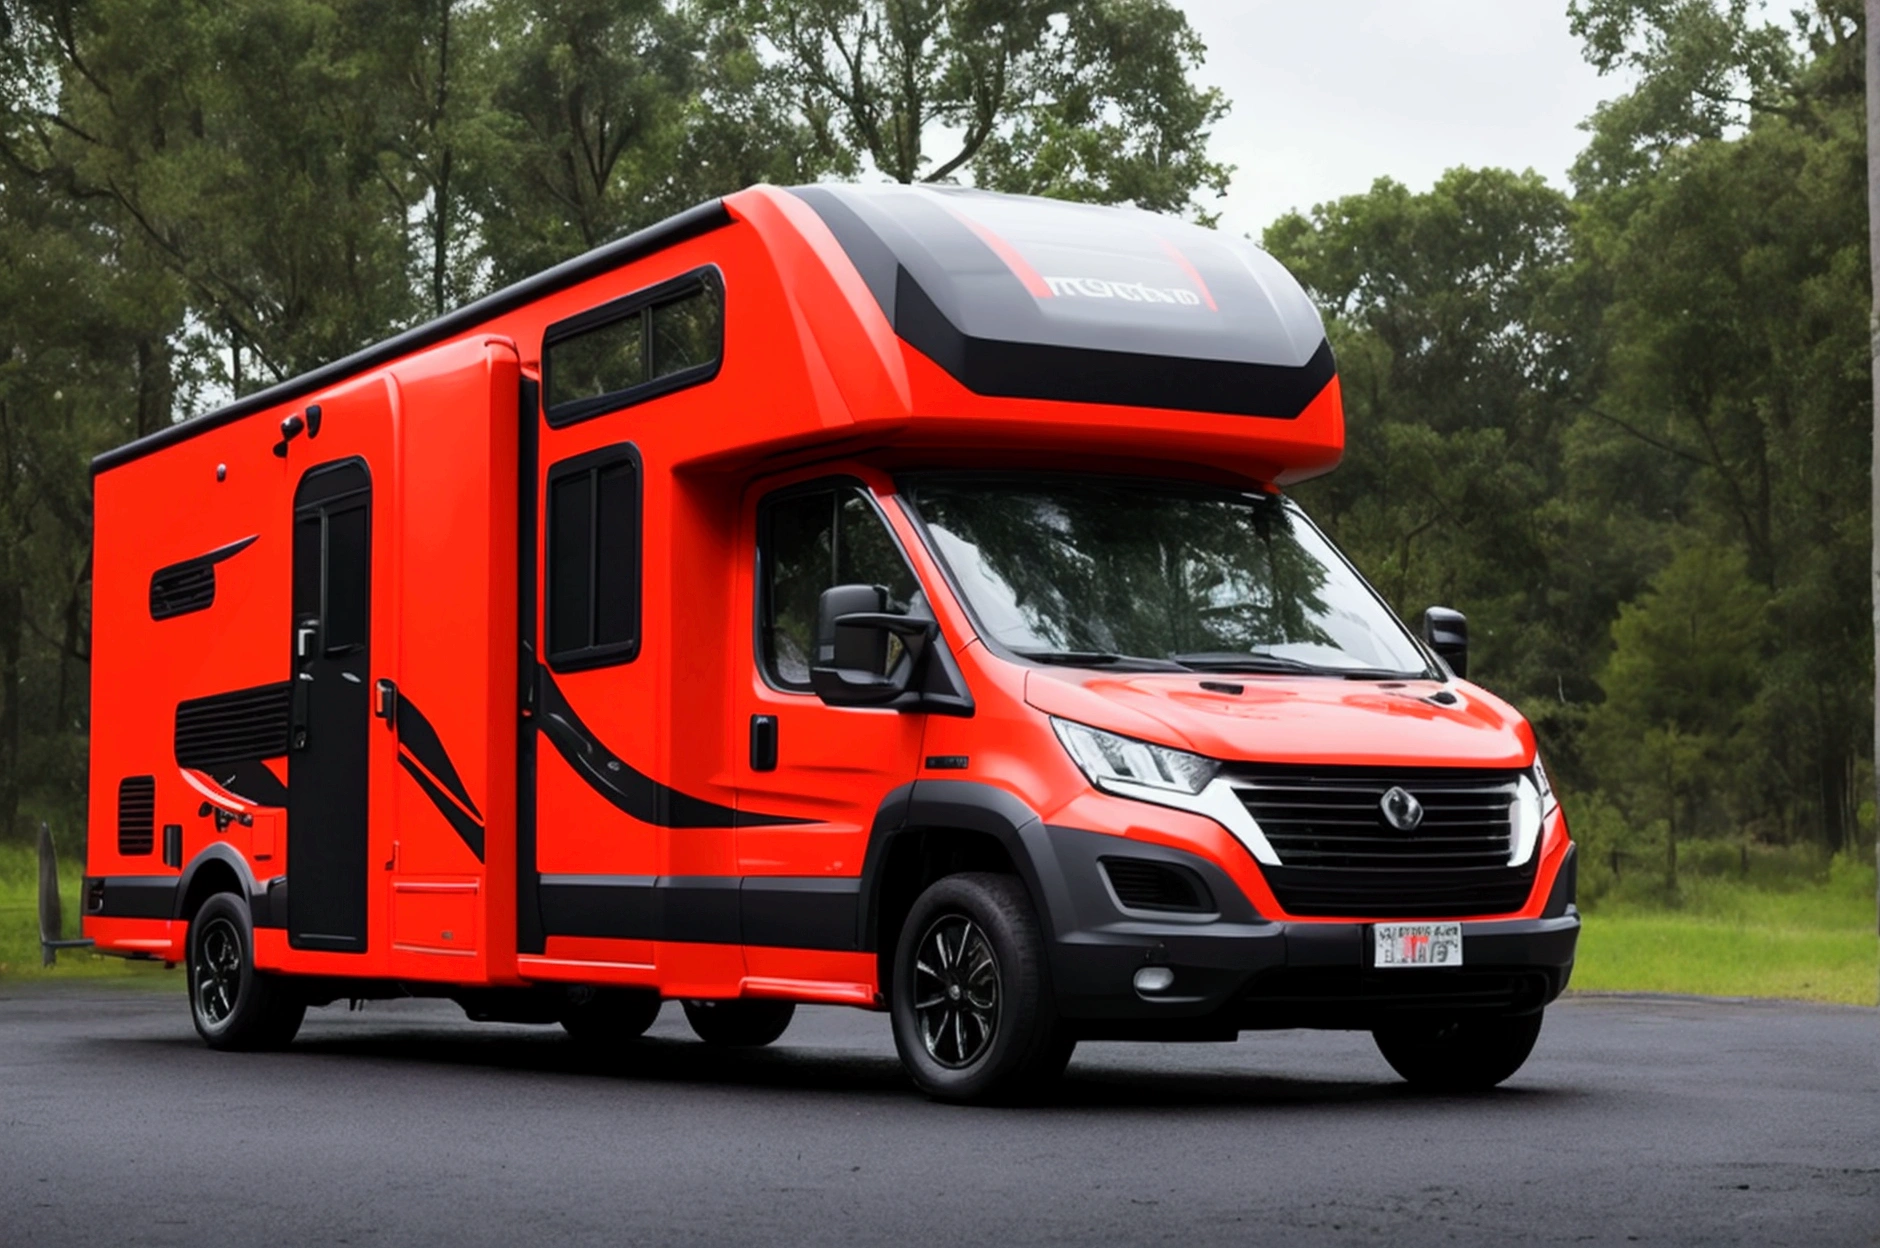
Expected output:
(650, 343)
(810, 539)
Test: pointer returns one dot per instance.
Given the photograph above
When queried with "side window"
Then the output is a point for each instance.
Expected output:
(808, 540)
(650, 343)
(593, 564)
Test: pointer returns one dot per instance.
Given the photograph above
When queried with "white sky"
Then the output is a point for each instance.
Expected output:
(1329, 95)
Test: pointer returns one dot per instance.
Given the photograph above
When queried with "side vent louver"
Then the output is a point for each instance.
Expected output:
(137, 814)
(233, 727)
(190, 585)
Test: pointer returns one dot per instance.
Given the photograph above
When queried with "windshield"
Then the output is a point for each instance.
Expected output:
(1105, 571)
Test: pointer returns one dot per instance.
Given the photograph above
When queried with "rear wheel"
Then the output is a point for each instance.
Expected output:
(1464, 1055)
(971, 998)
(233, 1005)
(744, 1023)
(609, 1016)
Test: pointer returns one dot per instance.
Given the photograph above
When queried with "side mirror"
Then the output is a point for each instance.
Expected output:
(855, 664)
(1447, 633)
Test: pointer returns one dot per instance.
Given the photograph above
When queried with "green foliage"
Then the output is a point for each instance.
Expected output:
(19, 927)
(1795, 925)
(1627, 429)
(1080, 99)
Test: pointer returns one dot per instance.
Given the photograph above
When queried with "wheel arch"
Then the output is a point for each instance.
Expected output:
(217, 869)
(931, 828)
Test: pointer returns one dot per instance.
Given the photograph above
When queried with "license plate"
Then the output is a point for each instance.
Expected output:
(1418, 944)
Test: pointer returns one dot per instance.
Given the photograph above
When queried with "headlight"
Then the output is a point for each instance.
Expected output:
(1533, 802)
(1127, 767)
(1123, 764)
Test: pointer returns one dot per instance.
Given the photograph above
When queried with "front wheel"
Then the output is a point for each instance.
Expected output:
(744, 1023)
(1465, 1055)
(233, 1005)
(971, 994)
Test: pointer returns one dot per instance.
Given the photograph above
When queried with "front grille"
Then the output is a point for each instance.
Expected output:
(136, 815)
(1144, 885)
(1338, 856)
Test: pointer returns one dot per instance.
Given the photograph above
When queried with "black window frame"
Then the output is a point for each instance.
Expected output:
(612, 654)
(760, 588)
(638, 304)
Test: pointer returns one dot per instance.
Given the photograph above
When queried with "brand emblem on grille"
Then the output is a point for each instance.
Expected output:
(1401, 811)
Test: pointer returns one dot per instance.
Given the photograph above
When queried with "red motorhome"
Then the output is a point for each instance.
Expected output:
(876, 596)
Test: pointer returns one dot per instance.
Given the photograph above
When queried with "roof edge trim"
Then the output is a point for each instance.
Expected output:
(690, 224)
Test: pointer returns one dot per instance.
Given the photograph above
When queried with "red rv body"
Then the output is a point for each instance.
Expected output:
(873, 596)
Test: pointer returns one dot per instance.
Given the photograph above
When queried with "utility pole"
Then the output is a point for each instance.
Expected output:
(1873, 326)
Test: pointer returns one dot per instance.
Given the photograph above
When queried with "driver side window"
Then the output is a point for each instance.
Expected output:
(808, 540)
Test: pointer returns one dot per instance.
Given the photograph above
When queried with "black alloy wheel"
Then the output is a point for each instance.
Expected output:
(970, 996)
(743, 1023)
(956, 991)
(1459, 1055)
(233, 1005)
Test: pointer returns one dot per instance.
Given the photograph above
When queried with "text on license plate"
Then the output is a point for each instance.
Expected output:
(1419, 944)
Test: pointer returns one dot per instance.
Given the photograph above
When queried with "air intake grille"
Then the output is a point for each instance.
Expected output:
(1339, 857)
(182, 588)
(137, 815)
(233, 727)
(1144, 885)
(190, 585)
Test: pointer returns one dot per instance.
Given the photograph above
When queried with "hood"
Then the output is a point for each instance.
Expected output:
(1296, 720)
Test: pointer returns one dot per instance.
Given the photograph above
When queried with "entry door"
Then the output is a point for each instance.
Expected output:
(332, 709)
(813, 776)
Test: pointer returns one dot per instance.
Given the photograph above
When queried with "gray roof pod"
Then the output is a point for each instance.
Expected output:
(1021, 297)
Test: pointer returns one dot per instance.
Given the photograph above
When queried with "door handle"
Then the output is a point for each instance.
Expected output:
(300, 639)
(763, 743)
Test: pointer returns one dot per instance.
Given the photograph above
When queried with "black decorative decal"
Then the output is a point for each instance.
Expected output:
(422, 754)
(251, 780)
(416, 734)
(190, 585)
(632, 791)
(469, 829)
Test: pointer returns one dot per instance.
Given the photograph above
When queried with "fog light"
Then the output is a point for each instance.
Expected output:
(1154, 979)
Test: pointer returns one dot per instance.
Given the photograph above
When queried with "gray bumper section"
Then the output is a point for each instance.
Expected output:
(1234, 970)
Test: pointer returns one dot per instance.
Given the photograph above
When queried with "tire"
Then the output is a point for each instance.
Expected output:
(974, 1017)
(234, 1006)
(604, 1017)
(1466, 1055)
(742, 1024)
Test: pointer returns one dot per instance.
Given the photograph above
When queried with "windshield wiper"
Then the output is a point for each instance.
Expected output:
(1259, 661)
(1099, 658)
(1250, 661)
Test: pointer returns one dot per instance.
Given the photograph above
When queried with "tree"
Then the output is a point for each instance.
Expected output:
(1078, 99)
(1721, 216)
(1679, 687)
(1872, 64)
(1463, 345)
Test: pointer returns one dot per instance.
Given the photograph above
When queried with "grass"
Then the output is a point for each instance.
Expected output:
(1811, 940)
(19, 927)
(1801, 935)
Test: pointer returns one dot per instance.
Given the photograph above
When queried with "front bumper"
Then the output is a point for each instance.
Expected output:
(1235, 971)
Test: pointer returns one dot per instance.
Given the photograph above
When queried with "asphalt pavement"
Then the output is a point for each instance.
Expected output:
(1638, 1120)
